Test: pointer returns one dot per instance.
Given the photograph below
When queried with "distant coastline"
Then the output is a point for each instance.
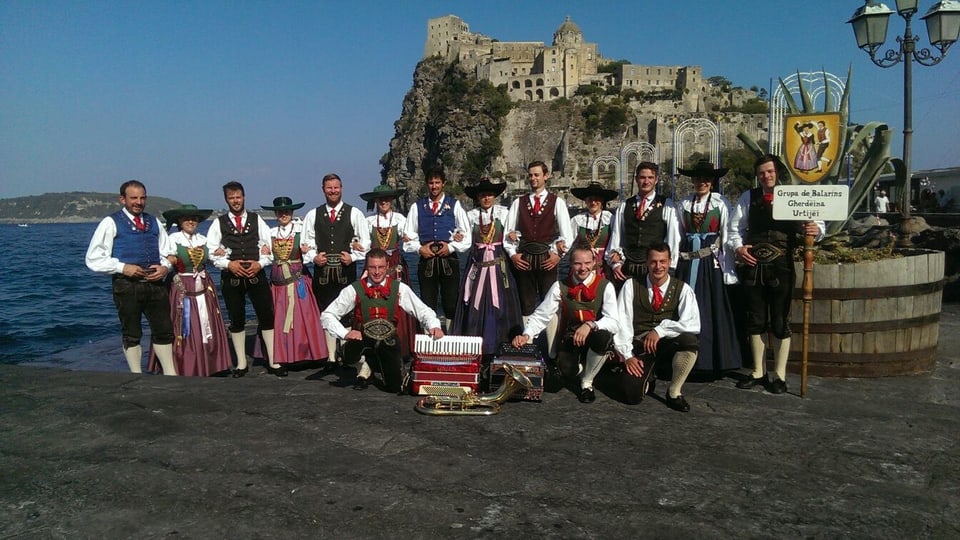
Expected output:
(70, 207)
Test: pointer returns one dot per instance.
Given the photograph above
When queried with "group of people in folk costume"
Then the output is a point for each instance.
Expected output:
(648, 284)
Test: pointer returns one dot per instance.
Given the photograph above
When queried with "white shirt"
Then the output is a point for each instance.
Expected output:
(413, 245)
(564, 229)
(551, 305)
(689, 313)
(672, 237)
(288, 231)
(882, 203)
(740, 224)
(346, 302)
(496, 212)
(215, 239)
(724, 256)
(361, 230)
(389, 220)
(100, 257)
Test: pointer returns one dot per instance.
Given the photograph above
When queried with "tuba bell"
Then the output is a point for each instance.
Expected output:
(473, 404)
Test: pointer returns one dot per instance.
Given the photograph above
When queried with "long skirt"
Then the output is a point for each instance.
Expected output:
(719, 346)
(297, 334)
(200, 346)
(489, 304)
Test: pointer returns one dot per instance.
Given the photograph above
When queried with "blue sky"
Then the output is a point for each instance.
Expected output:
(185, 95)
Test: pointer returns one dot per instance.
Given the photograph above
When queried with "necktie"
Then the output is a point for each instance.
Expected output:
(536, 204)
(641, 207)
(768, 199)
(435, 207)
(333, 216)
(139, 223)
(657, 298)
(239, 221)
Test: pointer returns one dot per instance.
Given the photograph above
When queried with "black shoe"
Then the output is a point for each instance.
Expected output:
(361, 383)
(777, 387)
(278, 371)
(587, 395)
(648, 380)
(237, 373)
(750, 382)
(678, 403)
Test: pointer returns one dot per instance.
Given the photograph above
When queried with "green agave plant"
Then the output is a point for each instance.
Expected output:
(854, 136)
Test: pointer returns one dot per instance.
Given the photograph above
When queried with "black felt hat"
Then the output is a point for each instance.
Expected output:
(484, 186)
(594, 189)
(283, 203)
(704, 169)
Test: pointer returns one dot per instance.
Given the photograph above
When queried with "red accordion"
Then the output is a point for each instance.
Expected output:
(446, 366)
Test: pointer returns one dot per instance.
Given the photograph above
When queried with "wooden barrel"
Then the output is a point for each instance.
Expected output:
(871, 319)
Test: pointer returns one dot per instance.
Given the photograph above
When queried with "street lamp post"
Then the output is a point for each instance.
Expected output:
(870, 28)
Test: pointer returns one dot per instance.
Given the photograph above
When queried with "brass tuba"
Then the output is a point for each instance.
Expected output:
(473, 404)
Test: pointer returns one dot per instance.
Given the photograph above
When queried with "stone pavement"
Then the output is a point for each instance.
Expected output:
(114, 455)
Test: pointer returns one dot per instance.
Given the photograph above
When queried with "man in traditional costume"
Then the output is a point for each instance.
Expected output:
(764, 248)
(587, 307)
(659, 323)
(639, 222)
(235, 240)
(335, 237)
(437, 230)
(387, 233)
(132, 247)
(376, 301)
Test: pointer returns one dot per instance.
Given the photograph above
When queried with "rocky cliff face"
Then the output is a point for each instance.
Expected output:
(471, 129)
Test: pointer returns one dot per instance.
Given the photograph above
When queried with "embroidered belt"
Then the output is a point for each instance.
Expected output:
(702, 252)
(766, 253)
(534, 248)
(286, 280)
(380, 330)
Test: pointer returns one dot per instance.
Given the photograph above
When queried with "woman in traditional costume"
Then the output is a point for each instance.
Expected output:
(489, 305)
(707, 267)
(806, 158)
(297, 334)
(386, 233)
(200, 347)
(592, 227)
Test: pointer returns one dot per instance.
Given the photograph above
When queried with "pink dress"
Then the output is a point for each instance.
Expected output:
(297, 334)
(200, 346)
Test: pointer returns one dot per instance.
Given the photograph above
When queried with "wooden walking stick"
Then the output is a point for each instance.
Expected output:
(808, 251)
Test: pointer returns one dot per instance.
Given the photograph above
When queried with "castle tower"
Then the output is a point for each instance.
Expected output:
(440, 32)
(568, 34)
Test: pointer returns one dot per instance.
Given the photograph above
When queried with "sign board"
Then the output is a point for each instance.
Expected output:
(811, 203)
(809, 145)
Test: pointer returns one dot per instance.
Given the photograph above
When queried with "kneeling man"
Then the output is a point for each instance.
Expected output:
(375, 302)
(587, 305)
(660, 322)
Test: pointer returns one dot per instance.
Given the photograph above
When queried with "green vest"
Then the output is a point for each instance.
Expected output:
(644, 316)
(368, 306)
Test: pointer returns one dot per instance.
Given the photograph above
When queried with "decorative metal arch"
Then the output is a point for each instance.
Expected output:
(643, 151)
(700, 129)
(813, 82)
(604, 161)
